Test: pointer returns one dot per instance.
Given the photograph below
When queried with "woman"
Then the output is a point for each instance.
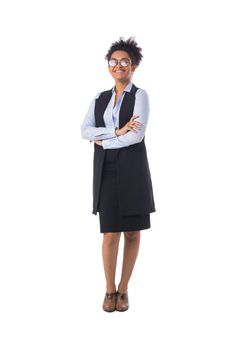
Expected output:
(122, 188)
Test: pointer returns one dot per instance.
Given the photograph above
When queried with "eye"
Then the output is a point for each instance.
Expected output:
(112, 63)
(125, 62)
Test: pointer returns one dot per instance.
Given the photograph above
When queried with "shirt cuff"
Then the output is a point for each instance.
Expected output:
(109, 132)
(106, 143)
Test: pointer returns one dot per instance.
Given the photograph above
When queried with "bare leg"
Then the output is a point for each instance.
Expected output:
(109, 252)
(131, 248)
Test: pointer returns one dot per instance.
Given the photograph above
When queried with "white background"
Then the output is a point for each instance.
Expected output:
(52, 279)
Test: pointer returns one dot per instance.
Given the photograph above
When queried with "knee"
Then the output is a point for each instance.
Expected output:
(111, 238)
(132, 235)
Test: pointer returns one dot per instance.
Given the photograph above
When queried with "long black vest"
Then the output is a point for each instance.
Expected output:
(134, 179)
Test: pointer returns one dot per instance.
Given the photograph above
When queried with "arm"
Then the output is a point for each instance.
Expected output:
(88, 129)
(141, 108)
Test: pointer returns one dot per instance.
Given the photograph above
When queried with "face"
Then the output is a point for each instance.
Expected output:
(121, 73)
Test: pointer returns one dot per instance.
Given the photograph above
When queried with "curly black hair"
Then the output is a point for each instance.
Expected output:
(130, 46)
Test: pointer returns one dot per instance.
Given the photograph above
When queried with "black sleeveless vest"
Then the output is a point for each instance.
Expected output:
(134, 179)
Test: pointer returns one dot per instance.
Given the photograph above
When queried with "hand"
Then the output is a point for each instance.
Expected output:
(99, 142)
(132, 125)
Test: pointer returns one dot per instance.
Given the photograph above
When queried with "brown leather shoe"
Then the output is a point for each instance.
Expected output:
(122, 302)
(109, 303)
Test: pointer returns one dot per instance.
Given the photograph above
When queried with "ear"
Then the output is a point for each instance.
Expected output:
(133, 67)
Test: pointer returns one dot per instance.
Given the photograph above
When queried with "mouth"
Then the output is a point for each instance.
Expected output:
(119, 71)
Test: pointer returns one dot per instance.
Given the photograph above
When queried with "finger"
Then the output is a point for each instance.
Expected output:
(136, 123)
(134, 117)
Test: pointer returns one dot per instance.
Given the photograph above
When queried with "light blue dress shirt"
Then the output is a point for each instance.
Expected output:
(111, 118)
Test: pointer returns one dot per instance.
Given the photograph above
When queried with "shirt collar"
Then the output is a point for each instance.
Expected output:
(127, 88)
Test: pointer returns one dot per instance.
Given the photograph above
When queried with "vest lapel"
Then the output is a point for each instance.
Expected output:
(100, 107)
(126, 110)
(127, 106)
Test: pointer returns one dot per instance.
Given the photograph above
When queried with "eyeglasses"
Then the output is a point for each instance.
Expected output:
(124, 62)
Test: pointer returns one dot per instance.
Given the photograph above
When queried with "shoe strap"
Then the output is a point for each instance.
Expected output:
(110, 295)
(121, 295)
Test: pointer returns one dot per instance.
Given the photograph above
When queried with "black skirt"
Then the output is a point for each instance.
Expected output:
(108, 206)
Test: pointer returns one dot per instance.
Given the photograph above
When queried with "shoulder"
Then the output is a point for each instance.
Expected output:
(141, 92)
(97, 96)
(142, 95)
(103, 93)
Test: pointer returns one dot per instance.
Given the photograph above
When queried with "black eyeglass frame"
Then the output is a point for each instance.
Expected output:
(126, 59)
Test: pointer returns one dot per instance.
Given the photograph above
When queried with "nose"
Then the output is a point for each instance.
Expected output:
(118, 65)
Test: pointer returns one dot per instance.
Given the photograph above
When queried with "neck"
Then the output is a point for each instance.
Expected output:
(120, 86)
